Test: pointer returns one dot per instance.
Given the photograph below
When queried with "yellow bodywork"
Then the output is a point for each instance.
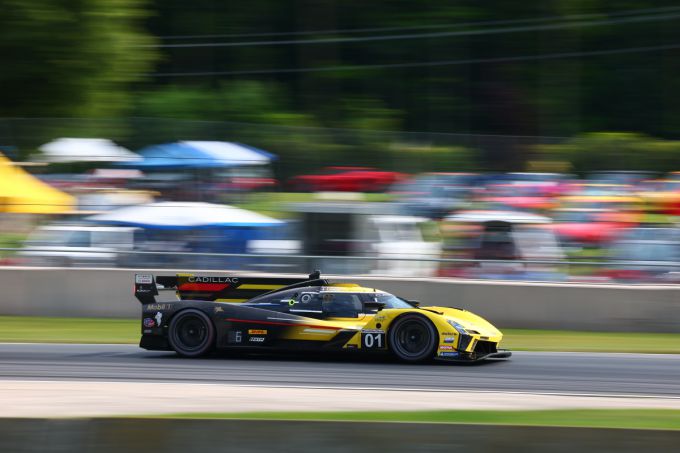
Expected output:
(474, 326)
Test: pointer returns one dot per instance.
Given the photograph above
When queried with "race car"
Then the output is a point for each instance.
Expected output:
(309, 314)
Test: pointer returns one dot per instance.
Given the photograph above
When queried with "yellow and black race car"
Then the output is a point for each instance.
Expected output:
(260, 314)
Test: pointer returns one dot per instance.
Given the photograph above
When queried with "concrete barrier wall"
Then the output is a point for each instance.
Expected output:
(108, 293)
(180, 436)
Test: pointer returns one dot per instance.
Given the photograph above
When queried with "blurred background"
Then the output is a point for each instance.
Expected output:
(536, 141)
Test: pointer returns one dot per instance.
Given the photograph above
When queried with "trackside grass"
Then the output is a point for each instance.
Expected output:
(96, 330)
(567, 340)
(22, 329)
(589, 418)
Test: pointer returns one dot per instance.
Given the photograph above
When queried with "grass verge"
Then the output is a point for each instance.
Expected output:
(273, 203)
(24, 329)
(567, 340)
(95, 330)
(590, 418)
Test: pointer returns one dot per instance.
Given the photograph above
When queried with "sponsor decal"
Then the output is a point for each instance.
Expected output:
(444, 334)
(305, 298)
(449, 340)
(158, 307)
(212, 280)
(256, 339)
(147, 331)
(257, 332)
(380, 318)
(143, 279)
(372, 331)
(219, 310)
(159, 319)
(148, 322)
(352, 346)
(444, 346)
(448, 354)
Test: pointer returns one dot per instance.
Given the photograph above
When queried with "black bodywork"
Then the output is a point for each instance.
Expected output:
(237, 326)
(255, 324)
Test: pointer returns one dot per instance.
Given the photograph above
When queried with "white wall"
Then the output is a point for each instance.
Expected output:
(108, 293)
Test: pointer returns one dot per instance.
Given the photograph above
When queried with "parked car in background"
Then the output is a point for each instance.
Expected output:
(346, 179)
(434, 195)
(619, 177)
(645, 254)
(79, 245)
(548, 184)
(245, 179)
(332, 232)
(519, 195)
(661, 196)
(593, 214)
(494, 244)
(586, 227)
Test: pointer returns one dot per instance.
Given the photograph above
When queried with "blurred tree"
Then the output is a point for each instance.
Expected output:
(555, 68)
(613, 151)
(72, 58)
(241, 100)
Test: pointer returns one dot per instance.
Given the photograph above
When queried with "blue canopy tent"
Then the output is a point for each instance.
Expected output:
(195, 227)
(200, 154)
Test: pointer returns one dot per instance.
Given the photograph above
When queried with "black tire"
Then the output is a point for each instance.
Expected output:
(413, 338)
(191, 333)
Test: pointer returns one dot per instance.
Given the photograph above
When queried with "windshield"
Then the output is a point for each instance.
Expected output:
(391, 301)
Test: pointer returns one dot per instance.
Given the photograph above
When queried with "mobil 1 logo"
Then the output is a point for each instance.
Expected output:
(372, 339)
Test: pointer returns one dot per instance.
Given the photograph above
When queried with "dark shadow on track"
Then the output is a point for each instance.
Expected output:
(318, 357)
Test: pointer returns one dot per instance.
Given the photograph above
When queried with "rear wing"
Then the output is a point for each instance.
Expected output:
(216, 288)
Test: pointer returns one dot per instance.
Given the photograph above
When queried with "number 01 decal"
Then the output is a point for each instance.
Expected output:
(373, 340)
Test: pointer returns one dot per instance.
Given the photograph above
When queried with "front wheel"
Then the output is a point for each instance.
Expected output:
(413, 338)
(191, 333)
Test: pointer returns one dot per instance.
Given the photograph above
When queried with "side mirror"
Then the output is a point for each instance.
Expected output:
(374, 305)
(415, 303)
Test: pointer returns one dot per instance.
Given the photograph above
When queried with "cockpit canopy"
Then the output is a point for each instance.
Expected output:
(333, 301)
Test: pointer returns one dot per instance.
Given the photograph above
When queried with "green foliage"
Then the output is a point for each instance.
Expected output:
(72, 58)
(614, 151)
(246, 101)
(99, 59)
(590, 418)
(421, 158)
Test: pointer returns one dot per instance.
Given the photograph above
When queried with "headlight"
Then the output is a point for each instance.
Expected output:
(460, 329)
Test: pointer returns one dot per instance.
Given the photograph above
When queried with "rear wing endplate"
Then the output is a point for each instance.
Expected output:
(145, 288)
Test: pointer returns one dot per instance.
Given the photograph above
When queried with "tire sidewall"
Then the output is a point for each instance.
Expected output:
(208, 344)
(428, 352)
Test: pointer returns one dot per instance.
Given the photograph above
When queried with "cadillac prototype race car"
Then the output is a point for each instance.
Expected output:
(287, 314)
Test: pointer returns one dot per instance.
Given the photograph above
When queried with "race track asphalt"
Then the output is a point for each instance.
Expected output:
(536, 372)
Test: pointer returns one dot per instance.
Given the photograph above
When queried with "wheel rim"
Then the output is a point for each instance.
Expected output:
(191, 332)
(413, 338)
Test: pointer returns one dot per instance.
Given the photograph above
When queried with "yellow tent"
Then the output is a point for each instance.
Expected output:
(21, 192)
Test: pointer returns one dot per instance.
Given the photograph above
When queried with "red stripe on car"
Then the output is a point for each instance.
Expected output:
(291, 324)
(203, 286)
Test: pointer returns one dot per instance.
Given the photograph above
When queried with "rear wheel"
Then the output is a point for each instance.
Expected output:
(413, 338)
(191, 333)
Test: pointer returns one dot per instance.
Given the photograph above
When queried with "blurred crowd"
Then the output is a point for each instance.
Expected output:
(617, 226)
